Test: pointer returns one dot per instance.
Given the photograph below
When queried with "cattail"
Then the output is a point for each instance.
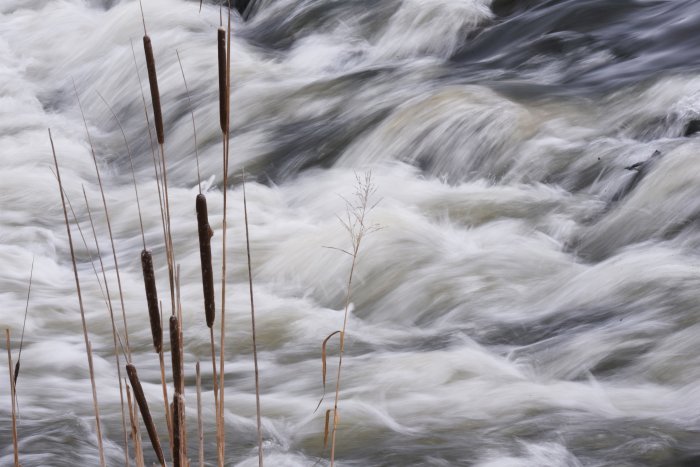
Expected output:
(149, 281)
(135, 433)
(178, 438)
(176, 353)
(153, 82)
(205, 234)
(223, 83)
(145, 412)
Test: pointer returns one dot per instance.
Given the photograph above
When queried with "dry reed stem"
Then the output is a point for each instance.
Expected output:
(164, 386)
(181, 367)
(24, 324)
(108, 300)
(215, 385)
(114, 327)
(324, 366)
(252, 318)
(109, 224)
(326, 429)
(131, 165)
(135, 432)
(82, 310)
(169, 240)
(145, 412)
(149, 280)
(221, 436)
(194, 126)
(13, 398)
(82, 237)
(200, 420)
(357, 229)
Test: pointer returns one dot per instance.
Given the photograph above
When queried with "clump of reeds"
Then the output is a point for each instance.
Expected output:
(174, 412)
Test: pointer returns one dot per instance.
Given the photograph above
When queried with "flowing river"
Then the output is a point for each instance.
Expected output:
(528, 290)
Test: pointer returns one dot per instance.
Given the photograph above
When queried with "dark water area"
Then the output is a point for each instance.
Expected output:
(596, 46)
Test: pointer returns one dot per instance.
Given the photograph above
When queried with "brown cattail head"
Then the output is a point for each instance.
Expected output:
(149, 280)
(223, 82)
(176, 353)
(145, 412)
(205, 234)
(177, 408)
(153, 82)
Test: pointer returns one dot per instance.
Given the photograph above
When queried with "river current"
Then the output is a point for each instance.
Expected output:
(531, 297)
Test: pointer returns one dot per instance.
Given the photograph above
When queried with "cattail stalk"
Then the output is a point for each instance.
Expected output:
(200, 421)
(221, 435)
(178, 441)
(194, 126)
(13, 398)
(160, 136)
(145, 412)
(82, 310)
(114, 327)
(179, 379)
(153, 151)
(135, 432)
(109, 224)
(164, 386)
(165, 234)
(252, 318)
(24, 324)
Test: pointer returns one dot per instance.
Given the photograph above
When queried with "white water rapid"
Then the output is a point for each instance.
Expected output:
(531, 298)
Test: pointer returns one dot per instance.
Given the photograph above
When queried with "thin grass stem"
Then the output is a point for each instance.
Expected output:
(13, 399)
(82, 310)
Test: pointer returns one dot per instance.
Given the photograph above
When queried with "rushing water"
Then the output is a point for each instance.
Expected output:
(531, 299)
